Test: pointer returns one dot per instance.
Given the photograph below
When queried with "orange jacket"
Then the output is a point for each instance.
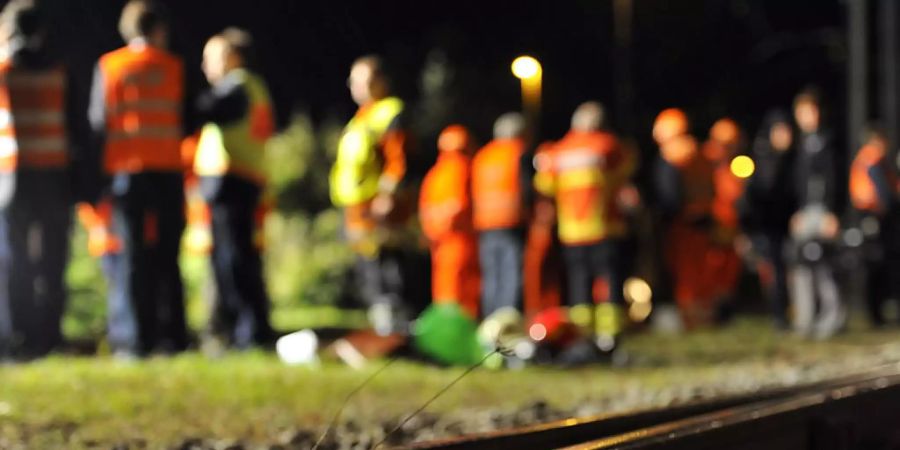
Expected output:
(696, 176)
(584, 172)
(864, 192)
(497, 185)
(32, 118)
(140, 95)
(445, 205)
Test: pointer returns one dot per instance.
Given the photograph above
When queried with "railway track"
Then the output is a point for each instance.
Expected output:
(853, 412)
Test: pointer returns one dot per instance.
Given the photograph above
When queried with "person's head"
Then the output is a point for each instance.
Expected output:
(669, 123)
(725, 131)
(807, 111)
(455, 139)
(589, 116)
(781, 135)
(368, 81)
(22, 20)
(874, 135)
(144, 19)
(225, 52)
(509, 126)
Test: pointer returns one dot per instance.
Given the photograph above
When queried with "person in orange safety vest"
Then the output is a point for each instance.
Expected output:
(723, 145)
(542, 281)
(36, 117)
(685, 191)
(445, 211)
(873, 193)
(135, 115)
(501, 187)
(584, 173)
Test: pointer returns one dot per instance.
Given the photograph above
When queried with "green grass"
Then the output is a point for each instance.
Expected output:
(69, 401)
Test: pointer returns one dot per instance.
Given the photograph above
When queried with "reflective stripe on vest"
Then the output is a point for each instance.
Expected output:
(496, 186)
(143, 93)
(355, 175)
(238, 148)
(32, 122)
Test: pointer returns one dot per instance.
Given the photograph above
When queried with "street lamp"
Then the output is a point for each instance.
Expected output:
(529, 71)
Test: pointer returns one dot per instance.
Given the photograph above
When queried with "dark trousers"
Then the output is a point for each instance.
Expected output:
(148, 273)
(381, 279)
(500, 254)
(34, 249)
(769, 246)
(882, 257)
(241, 311)
(586, 263)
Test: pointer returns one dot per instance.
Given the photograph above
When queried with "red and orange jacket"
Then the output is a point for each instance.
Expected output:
(498, 192)
(584, 173)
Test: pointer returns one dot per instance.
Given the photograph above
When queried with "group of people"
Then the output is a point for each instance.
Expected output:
(514, 225)
(510, 225)
(130, 177)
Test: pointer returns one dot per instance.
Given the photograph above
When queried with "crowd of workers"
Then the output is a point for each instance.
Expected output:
(542, 229)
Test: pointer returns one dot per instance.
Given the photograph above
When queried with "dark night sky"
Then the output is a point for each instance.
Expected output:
(713, 57)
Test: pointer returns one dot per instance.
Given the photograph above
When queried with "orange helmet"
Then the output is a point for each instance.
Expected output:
(454, 138)
(725, 131)
(668, 124)
(679, 150)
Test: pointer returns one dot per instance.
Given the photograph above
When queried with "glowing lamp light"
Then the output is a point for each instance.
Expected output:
(526, 68)
(742, 166)
(637, 290)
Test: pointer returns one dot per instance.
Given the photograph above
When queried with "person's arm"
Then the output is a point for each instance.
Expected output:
(668, 188)
(223, 104)
(882, 187)
(87, 170)
(395, 151)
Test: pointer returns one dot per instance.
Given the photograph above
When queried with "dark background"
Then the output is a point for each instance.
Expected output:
(712, 57)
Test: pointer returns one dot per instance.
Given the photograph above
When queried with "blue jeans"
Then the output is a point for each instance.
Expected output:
(500, 255)
(34, 249)
(241, 311)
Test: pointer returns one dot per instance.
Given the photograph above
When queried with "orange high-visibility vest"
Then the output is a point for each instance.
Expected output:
(696, 174)
(863, 193)
(583, 173)
(97, 220)
(496, 185)
(143, 91)
(32, 118)
(444, 200)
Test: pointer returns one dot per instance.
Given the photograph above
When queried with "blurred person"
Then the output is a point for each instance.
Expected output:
(873, 193)
(542, 283)
(135, 115)
(766, 208)
(368, 181)
(818, 308)
(36, 118)
(238, 120)
(500, 196)
(445, 211)
(685, 192)
(584, 173)
(721, 148)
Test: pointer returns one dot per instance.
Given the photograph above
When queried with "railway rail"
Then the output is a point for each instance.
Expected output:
(853, 412)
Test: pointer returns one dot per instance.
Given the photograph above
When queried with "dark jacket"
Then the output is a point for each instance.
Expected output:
(770, 199)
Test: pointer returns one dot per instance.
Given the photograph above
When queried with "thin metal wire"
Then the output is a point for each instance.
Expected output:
(350, 395)
(446, 388)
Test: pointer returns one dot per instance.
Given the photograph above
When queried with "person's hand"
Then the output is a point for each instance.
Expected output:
(796, 223)
(382, 206)
(743, 245)
(830, 226)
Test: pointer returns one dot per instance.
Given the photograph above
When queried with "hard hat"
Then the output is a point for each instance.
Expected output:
(725, 131)
(454, 138)
(668, 124)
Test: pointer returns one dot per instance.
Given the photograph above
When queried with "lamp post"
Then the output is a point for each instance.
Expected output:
(529, 71)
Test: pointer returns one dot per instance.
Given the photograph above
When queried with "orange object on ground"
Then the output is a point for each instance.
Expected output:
(445, 211)
(497, 186)
(33, 133)
(143, 90)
